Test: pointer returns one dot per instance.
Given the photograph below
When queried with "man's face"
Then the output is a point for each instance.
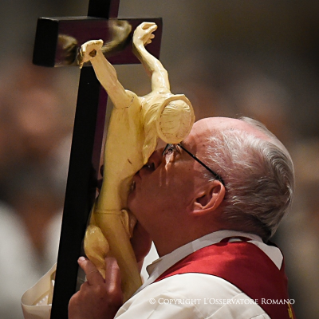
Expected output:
(166, 187)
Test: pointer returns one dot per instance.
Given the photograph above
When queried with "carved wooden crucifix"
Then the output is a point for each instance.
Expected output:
(56, 44)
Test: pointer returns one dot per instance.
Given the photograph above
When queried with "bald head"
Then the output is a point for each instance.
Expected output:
(210, 125)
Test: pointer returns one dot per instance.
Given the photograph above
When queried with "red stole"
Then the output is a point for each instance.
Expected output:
(245, 266)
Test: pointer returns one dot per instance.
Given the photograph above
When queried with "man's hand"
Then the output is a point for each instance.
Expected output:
(97, 298)
(143, 34)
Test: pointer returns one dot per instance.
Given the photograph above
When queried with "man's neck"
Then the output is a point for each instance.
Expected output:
(169, 242)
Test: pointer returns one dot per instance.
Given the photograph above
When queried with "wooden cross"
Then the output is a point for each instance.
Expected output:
(88, 128)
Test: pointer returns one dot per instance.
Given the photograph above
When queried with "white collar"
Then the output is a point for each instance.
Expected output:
(160, 265)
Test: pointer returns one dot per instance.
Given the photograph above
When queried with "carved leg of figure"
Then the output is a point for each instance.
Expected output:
(111, 225)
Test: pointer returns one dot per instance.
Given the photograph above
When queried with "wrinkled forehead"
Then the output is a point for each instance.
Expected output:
(205, 128)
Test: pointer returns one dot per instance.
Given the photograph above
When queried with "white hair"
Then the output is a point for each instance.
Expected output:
(259, 178)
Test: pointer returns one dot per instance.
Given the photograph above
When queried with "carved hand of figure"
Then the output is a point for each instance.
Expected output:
(143, 34)
(88, 51)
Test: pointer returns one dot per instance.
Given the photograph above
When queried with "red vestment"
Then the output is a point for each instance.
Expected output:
(245, 266)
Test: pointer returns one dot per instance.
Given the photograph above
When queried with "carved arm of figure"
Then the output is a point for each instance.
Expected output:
(135, 125)
(174, 114)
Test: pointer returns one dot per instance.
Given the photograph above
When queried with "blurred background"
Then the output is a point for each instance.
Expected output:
(231, 58)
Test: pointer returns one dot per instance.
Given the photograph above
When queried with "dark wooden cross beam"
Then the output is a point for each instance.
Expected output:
(88, 128)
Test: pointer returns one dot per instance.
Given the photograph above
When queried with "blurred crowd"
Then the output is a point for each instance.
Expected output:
(35, 135)
(225, 61)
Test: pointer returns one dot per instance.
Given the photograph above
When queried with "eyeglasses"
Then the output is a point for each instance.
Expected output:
(172, 148)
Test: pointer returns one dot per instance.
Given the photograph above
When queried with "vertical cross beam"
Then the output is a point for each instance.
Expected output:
(88, 129)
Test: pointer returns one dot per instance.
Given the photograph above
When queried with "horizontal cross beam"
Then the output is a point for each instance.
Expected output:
(58, 40)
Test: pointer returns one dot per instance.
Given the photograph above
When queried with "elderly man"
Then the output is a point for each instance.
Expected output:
(210, 204)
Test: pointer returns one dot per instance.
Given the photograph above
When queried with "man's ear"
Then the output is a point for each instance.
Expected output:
(210, 198)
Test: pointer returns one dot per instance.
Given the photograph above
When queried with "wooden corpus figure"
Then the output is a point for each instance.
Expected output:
(136, 124)
(56, 45)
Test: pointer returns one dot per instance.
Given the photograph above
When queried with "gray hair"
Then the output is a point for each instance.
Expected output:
(259, 178)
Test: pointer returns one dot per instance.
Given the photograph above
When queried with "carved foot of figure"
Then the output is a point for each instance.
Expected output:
(96, 247)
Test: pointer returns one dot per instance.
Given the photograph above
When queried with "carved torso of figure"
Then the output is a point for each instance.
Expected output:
(123, 156)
